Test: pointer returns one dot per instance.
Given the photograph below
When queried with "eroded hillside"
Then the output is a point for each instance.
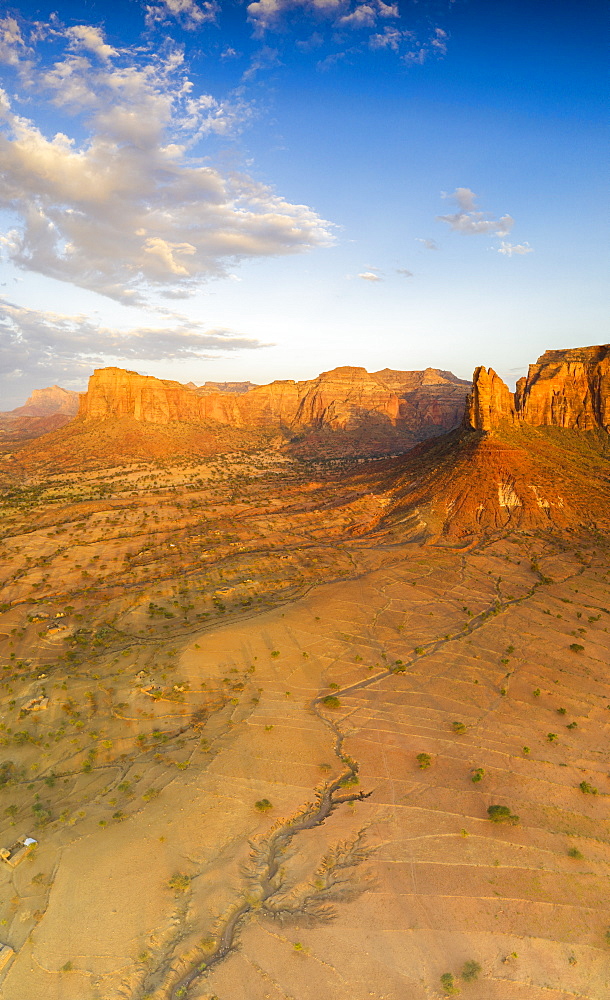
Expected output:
(256, 726)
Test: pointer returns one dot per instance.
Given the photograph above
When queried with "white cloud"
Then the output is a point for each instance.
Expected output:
(429, 244)
(370, 276)
(129, 206)
(54, 346)
(470, 222)
(389, 38)
(86, 36)
(405, 273)
(190, 14)
(464, 197)
(476, 223)
(362, 16)
(12, 45)
(514, 248)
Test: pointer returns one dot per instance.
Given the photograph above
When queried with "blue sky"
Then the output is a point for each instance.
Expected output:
(208, 190)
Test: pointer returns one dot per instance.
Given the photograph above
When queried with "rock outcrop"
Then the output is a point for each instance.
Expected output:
(414, 405)
(568, 388)
(490, 401)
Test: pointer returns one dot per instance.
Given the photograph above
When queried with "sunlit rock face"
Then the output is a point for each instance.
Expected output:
(490, 403)
(340, 399)
(569, 388)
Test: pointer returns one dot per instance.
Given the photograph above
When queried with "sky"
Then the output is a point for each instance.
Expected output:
(209, 190)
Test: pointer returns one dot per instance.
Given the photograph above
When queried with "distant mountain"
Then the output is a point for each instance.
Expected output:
(44, 411)
(45, 402)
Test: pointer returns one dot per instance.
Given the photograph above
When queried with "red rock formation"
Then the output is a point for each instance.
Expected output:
(568, 388)
(490, 402)
(345, 399)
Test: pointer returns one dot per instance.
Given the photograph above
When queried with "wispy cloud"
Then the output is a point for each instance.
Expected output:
(427, 243)
(514, 248)
(370, 276)
(370, 24)
(405, 273)
(471, 222)
(129, 207)
(56, 346)
(190, 14)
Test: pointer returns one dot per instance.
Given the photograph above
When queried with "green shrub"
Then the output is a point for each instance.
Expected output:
(458, 727)
(501, 814)
(576, 648)
(179, 882)
(478, 774)
(263, 805)
(424, 760)
(587, 788)
(331, 701)
(575, 853)
(470, 970)
(448, 983)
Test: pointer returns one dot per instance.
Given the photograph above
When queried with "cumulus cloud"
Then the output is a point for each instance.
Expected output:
(54, 346)
(370, 276)
(514, 248)
(471, 222)
(130, 207)
(190, 14)
(87, 36)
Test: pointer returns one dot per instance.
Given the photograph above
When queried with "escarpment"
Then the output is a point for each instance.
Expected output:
(412, 405)
(567, 388)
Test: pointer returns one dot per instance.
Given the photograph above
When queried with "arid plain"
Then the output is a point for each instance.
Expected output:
(256, 709)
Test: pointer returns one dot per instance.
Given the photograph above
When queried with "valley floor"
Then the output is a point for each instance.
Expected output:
(258, 748)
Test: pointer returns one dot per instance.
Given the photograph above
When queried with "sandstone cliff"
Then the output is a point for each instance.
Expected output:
(399, 408)
(567, 388)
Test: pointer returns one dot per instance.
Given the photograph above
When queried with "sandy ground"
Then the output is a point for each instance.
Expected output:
(141, 778)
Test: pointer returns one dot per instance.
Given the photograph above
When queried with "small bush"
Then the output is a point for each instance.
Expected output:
(179, 882)
(587, 789)
(575, 853)
(424, 760)
(470, 971)
(458, 727)
(448, 983)
(501, 814)
(576, 648)
(331, 701)
(478, 774)
(263, 805)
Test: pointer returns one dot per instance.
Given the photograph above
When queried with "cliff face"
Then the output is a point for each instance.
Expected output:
(345, 399)
(568, 388)
(490, 401)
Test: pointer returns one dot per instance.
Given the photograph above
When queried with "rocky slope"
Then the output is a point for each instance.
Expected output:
(44, 411)
(567, 388)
